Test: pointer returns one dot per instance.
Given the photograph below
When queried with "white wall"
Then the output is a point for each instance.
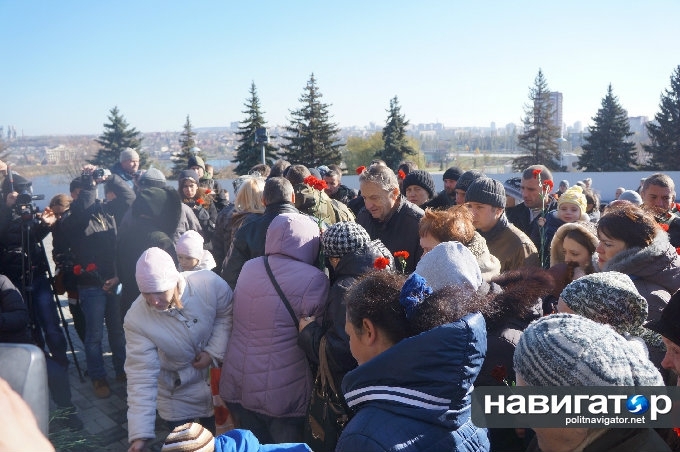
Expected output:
(605, 184)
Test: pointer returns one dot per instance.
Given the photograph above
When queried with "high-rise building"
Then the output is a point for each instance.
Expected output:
(556, 99)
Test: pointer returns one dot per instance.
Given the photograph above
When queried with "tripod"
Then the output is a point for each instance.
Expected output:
(28, 286)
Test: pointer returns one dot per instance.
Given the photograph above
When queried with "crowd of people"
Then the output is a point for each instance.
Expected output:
(407, 297)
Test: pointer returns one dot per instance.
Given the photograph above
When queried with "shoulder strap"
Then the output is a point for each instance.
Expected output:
(324, 369)
(280, 292)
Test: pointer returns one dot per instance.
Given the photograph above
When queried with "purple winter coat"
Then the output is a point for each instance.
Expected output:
(264, 370)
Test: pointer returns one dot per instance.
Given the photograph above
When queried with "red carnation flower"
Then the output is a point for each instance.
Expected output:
(663, 226)
(200, 201)
(315, 183)
(208, 191)
(536, 173)
(91, 267)
(548, 184)
(77, 270)
(402, 254)
(677, 250)
(360, 169)
(320, 185)
(677, 430)
(381, 263)
(401, 174)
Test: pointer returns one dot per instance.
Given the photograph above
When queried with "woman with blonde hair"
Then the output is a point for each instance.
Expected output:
(455, 224)
(248, 203)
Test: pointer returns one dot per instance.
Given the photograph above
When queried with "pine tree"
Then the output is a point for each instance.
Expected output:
(248, 152)
(606, 148)
(188, 148)
(312, 138)
(394, 135)
(540, 134)
(664, 132)
(117, 137)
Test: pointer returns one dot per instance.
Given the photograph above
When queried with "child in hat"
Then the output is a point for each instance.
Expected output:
(571, 208)
(190, 253)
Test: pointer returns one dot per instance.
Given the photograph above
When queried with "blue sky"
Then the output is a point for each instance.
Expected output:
(66, 64)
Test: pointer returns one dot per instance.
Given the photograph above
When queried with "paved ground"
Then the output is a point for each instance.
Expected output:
(105, 420)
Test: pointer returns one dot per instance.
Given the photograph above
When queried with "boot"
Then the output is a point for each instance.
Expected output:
(101, 388)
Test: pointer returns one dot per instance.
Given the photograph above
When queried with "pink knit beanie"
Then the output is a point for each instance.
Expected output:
(156, 271)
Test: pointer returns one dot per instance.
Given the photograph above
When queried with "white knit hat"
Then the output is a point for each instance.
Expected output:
(190, 244)
(128, 154)
(156, 271)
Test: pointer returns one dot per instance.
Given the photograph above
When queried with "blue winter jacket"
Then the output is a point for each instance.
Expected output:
(416, 395)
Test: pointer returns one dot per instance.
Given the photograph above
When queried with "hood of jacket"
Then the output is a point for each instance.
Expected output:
(361, 261)
(658, 263)
(294, 235)
(161, 205)
(428, 377)
(556, 249)
(489, 264)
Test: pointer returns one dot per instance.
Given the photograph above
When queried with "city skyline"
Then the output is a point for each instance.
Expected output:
(449, 62)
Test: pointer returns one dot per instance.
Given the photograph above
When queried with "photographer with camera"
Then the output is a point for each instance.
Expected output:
(92, 231)
(24, 262)
(127, 166)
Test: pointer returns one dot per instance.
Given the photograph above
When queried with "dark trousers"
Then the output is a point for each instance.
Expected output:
(268, 429)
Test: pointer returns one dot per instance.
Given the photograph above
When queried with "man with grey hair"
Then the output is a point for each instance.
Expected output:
(388, 216)
(127, 166)
(278, 197)
(658, 198)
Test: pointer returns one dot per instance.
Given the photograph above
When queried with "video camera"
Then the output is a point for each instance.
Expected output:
(24, 206)
(90, 179)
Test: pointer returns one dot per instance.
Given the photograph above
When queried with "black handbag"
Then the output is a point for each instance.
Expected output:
(327, 414)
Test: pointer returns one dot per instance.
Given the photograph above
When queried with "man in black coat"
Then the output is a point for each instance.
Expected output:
(278, 197)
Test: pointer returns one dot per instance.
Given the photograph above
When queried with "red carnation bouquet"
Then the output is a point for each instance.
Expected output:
(88, 275)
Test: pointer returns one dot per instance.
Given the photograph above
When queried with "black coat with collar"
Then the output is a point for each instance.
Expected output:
(399, 232)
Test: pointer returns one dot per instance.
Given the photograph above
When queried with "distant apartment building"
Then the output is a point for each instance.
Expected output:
(60, 154)
(638, 123)
(556, 100)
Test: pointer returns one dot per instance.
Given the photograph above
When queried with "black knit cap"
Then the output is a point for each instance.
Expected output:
(486, 191)
(467, 178)
(668, 325)
(422, 179)
(453, 173)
